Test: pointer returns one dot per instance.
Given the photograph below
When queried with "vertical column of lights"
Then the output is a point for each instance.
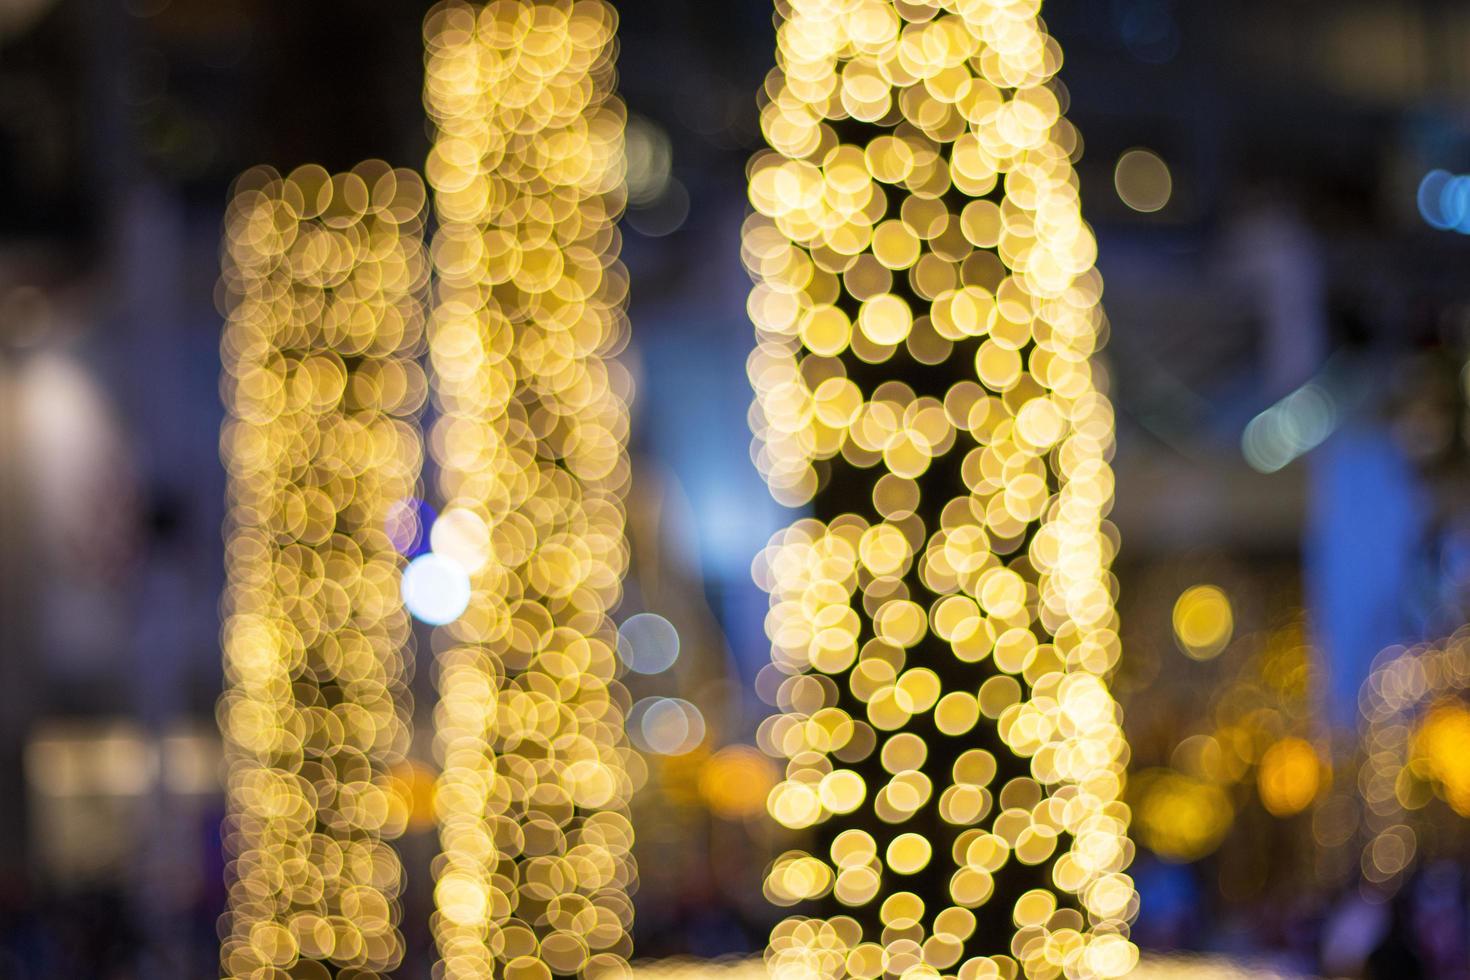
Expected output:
(1416, 729)
(926, 309)
(324, 277)
(527, 172)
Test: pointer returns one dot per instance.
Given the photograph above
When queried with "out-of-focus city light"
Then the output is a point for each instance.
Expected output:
(1289, 777)
(325, 276)
(413, 793)
(731, 968)
(436, 590)
(666, 726)
(1441, 753)
(93, 786)
(658, 202)
(650, 160)
(408, 525)
(648, 643)
(735, 781)
(527, 166)
(1297, 424)
(1444, 201)
(1143, 181)
(115, 760)
(463, 537)
(664, 214)
(1178, 817)
(918, 205)
(1203, 621)
(1415, 776)
(1153, 966)
(1251, 731)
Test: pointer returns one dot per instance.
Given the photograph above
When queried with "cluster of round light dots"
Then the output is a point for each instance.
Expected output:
(408, 524)
(949, 227)
(436, 584)
(649, 644)
(1253, 734)
(1416, 725)
(324, 275)
(1155, 966)
(527, 170)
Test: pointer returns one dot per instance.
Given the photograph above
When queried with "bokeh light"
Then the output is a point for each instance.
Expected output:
(1203, 621)
(1414, 781)
(436, 590)
(917, 219)
(1178, 817)
(648, 643)
(1154, 966)
(1290, 777)
(527, 167)
(461, 536)
(1143, 181)
(325, 276)
(650, 160)
(735, 781)
(1441, 753)
(408, 526)
(1295, 425)
(1444, 201)
(664, 214)
(666, 726)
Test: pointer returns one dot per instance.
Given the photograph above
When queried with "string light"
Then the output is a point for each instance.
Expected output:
(1158, 966)
(527, 168)
(324, 275)
(926, 310)
(1416, 724)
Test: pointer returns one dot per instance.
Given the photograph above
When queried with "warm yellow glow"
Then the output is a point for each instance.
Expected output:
(1155, 966)
(1203, 622)
(1416, 726)
(527, 170)
(917, 215)
(1441, 749)
(1143, 181)
(1290, 777)
(1178, 817)
(734, 782)
(324, 274)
